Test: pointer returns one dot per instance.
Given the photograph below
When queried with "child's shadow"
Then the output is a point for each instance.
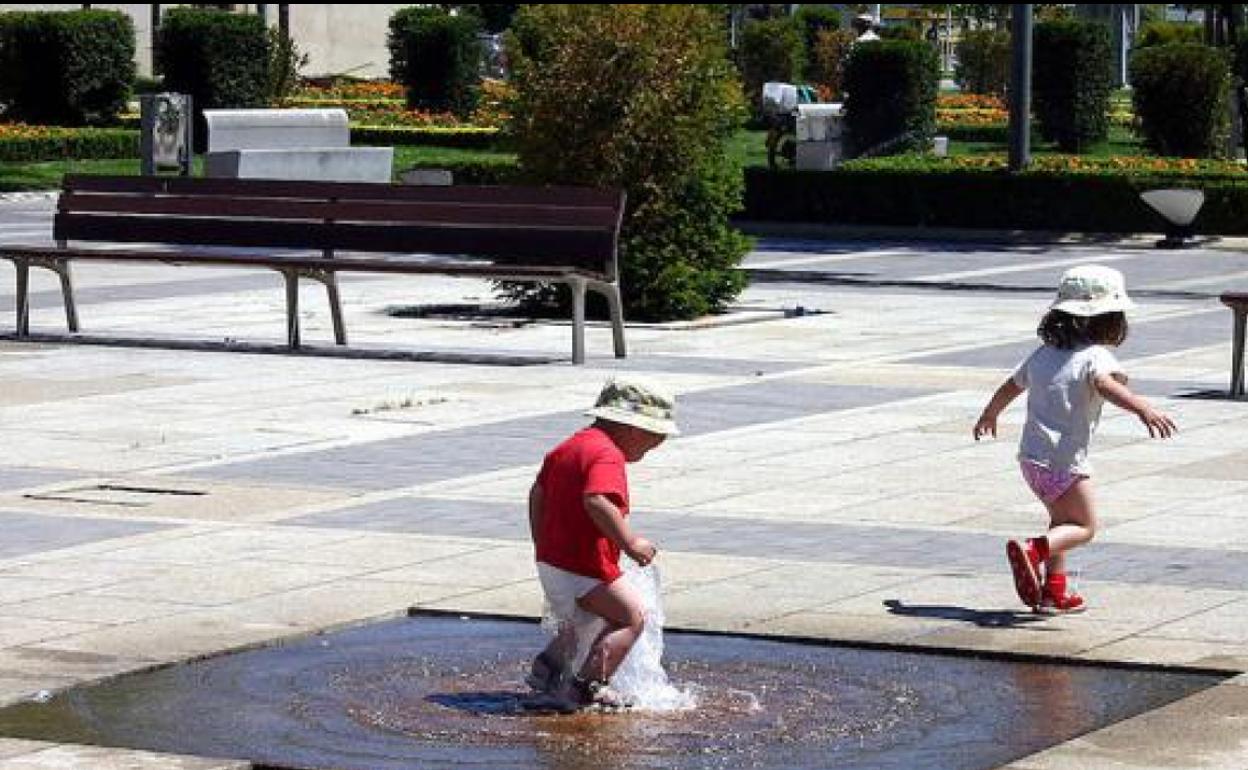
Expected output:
(499, 703)
(981, 618)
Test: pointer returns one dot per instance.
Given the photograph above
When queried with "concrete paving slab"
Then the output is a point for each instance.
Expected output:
(827, 486)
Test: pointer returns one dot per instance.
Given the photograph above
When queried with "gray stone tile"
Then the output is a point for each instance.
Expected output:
(13, 477)
(27, 533)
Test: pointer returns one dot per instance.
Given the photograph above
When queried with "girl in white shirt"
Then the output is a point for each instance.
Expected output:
(1067, 380)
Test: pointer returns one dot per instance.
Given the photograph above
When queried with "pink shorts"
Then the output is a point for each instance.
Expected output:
(1049, 485)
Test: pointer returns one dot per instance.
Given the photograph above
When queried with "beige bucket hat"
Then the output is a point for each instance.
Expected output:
(1090, 290)
(639, 404)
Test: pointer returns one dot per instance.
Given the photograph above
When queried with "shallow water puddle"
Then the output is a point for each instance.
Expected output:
(447, 692)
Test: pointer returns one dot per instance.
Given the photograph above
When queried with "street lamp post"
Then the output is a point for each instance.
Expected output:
(1020, 89)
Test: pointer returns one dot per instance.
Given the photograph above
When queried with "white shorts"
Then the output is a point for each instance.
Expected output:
(562, 589)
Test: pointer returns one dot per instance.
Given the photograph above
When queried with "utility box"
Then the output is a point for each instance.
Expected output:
(820, 135)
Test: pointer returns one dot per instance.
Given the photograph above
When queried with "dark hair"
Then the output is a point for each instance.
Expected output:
(1065, 331)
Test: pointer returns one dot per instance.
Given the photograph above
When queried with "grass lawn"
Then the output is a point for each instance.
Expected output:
(1121, 142)
(747, 146)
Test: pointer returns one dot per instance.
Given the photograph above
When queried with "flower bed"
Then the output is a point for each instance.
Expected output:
(20, 142)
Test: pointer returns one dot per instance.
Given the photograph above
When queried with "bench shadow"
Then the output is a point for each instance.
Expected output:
(1222, 394)
(981, 618)
(307, 350)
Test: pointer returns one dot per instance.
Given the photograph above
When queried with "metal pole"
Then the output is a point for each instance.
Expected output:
(1020, 89)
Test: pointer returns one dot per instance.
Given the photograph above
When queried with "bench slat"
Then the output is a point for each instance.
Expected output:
(553, 196)
(295, 262)
(581, 217)
(582, 247)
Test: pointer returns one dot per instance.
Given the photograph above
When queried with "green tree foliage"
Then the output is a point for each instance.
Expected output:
(221, 59)
(65, 68)
(640, 97)
(770, 50)
(437, 57)
(1072, 78)
(1180, 93)
(983, 62)
(892, 87)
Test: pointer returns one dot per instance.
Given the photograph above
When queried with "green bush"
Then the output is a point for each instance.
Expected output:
(983, 62)
(469, 138)
(65, 68)
(477, 172)
(436, 57)
(1180, 93)
(827, 61)
(770, 50)
(892, 87)
(921, 194)
(905, 32)
(44, 144)
(221, 59)
(640, 97)
(813, 20)
(1072, 78)
(286, 62)
(1166, 33)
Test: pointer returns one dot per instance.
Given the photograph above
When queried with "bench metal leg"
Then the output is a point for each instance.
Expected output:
(1237, 353)
(292, 308)
(23, 297)
(615, 306)
(335, 308)
(67, 294)
(577, 285)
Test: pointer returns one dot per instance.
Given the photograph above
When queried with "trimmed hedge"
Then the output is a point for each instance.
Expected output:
(65, 68)
(892, 87)
(770, 50)
(464, 138)
(989, 199)
(1167, 33)
(221, 59)
(813, 20)
(437, 57)
(39, 143)
(1072, 77)
(478, 172)
(1180, 93)
(983, 62)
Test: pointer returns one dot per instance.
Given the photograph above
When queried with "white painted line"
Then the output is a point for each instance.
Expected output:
(1025, 268)
(1224, 280)
(830, 258)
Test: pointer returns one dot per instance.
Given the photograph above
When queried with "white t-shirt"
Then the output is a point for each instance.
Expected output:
(1063, 405)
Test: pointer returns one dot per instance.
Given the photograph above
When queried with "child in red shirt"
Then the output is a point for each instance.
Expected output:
(578, 517)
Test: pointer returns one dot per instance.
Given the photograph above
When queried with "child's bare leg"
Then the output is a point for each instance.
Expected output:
(1072, 523)
(562, 647)
(621, 608)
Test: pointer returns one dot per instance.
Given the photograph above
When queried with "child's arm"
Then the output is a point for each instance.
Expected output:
(607, 517)
(1113, 388)
(535, 510)
(987, 422)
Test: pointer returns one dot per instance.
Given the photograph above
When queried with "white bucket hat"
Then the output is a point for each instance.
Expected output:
(1090, 290)
(641, 405)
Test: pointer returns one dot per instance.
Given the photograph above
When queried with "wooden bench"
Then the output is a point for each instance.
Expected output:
(1237, 301)
(561, 235)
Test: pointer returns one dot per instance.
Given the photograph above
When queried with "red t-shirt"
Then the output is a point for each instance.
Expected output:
(587, 463)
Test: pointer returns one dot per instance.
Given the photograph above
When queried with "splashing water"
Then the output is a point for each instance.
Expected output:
(640, 678)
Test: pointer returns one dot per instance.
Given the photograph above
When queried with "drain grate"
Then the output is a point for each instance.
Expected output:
(122, 495)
